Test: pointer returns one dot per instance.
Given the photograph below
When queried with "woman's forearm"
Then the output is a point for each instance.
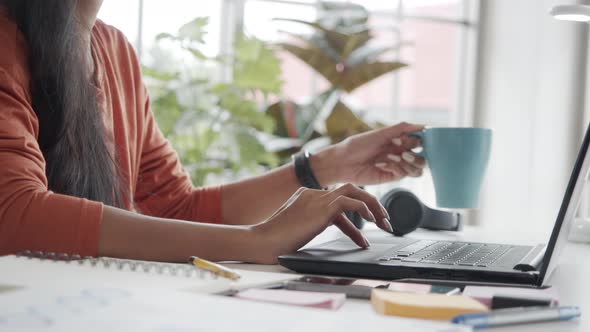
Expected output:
(126, 234)
(255, 199)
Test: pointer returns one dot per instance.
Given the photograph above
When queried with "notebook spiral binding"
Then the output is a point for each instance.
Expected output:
(159, 268)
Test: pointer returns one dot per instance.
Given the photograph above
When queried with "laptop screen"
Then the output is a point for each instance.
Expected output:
(569, 206)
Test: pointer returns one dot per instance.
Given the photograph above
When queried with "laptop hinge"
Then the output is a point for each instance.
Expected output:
(532, 260)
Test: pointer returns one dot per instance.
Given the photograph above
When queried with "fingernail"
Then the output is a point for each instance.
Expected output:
(397, 141)
(367, 244)
(380, 165)
(385, 212)
(408, 157)
(395, 158)
(387, 224)
(372, 217)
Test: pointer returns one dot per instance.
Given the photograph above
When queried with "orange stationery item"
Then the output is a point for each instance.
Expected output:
(426, 306)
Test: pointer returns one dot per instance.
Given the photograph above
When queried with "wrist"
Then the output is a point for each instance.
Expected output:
(324, 167)
(260, 241)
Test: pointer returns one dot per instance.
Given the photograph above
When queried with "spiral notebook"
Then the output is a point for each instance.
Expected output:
(49, 270)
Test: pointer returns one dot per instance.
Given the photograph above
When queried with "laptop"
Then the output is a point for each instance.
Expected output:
(453, 262)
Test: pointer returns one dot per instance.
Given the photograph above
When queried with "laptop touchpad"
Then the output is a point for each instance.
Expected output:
(346, 250)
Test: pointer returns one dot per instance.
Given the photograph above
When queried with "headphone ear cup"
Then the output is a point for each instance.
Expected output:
(405, 210)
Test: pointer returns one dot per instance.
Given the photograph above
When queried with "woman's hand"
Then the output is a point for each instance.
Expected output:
(308, 212)
(370, 158)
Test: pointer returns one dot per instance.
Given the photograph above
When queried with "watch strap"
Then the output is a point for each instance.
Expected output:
(303, 171)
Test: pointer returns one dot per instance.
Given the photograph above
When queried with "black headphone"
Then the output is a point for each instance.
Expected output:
(407, 213)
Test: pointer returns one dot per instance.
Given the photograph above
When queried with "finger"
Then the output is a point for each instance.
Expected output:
(393, 168)
(413, 159)
(348, 228)
(350, 190)
(379, 213)
(406, 142)
(410, 169)
(400, 129)
(410, 157)
(348, 204)
(385, 175)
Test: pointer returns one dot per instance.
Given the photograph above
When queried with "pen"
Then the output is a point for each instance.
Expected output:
(517, 316)
(214, 268)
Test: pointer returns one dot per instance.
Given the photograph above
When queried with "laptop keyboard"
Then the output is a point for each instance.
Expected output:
(450, 253)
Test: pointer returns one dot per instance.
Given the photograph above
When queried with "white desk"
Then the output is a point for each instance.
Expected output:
(570, 278)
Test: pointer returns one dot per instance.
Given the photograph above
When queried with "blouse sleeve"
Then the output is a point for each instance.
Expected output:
(164, 189)
(31, 216)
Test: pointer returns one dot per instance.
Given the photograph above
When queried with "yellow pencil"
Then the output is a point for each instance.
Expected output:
(214, 268)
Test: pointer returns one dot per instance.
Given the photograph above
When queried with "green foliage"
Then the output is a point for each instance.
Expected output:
(340, 51)
(256, 66)
(214, 127)
(194, 30)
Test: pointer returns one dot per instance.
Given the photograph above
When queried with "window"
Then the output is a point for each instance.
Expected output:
(434, 89)
(125, 16)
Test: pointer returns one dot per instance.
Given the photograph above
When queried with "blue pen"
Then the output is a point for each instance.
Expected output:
(517, 316)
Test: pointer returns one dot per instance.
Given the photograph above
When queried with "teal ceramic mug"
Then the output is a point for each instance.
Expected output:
(457, 158)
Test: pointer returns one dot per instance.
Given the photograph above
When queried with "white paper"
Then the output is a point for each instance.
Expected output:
(116, 309)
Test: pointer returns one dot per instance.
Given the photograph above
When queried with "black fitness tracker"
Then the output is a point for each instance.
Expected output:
(303, 170)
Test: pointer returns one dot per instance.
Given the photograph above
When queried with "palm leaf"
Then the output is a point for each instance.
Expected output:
(343, 123)
(318, 42)
(320, 108)
(285, 122)
(354, 42)
(370, 54)
(342, 42)
(316, 59)
(362, 74)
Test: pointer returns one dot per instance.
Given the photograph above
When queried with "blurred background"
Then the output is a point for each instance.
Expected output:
(239, 85)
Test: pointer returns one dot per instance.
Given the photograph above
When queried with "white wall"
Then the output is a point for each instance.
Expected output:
(530, 91)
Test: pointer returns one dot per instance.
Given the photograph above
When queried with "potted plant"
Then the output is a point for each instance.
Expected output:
(214, 126)
(340, 52)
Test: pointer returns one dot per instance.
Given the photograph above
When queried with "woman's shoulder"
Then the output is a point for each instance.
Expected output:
(114, 42)
(118, 56)
(109, 34)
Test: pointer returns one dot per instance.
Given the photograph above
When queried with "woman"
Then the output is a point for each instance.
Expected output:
(86, 170)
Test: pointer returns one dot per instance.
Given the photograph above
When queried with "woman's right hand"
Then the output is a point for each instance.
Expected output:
(308, 212)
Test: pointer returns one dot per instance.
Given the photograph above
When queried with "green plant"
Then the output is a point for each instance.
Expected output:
(340, 52)
(214, 126)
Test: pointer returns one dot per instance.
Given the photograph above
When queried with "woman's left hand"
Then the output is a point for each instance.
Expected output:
(374, 157)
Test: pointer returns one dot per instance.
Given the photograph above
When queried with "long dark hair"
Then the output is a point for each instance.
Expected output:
(71, 132)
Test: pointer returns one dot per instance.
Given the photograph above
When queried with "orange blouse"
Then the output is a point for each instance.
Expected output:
(34, 218)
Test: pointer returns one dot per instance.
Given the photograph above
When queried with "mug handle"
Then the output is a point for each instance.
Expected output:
(420, 135)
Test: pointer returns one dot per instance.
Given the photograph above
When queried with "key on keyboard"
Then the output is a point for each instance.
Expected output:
(460, 254)
(493, 256)
(443, 253)
(407, 250)
(451, 253)
(436, 247)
